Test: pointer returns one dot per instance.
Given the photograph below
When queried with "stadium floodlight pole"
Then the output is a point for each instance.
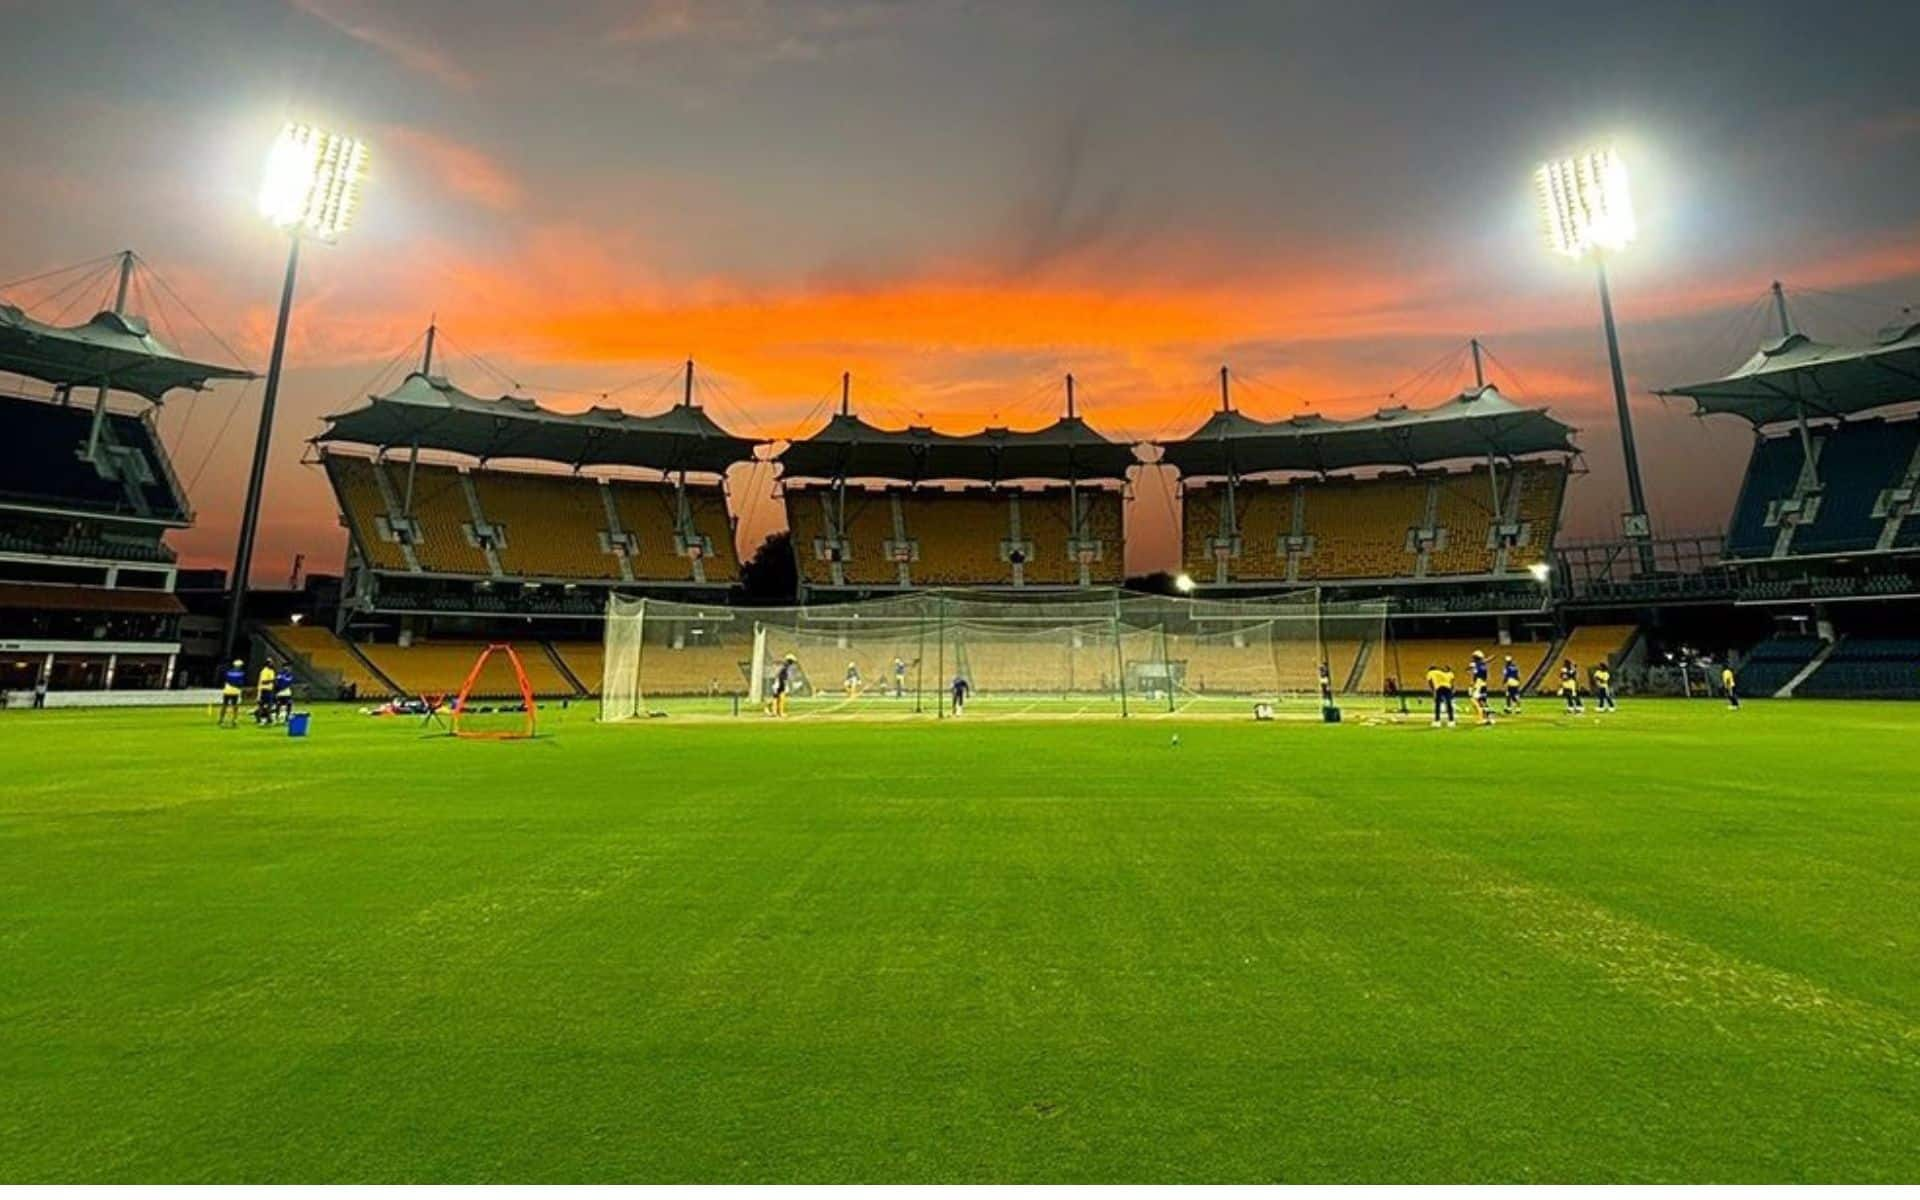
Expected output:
(310, 189)
(1588, 211)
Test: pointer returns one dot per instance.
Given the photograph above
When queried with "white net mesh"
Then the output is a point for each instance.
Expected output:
(1077, 651)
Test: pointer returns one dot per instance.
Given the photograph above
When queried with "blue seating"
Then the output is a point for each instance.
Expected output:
(1771, 474)
(1857, 462)
(1775, 661)
(1865, 667)
(40, 464)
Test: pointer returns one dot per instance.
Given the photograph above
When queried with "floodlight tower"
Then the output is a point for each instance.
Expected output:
(310, 190)
(1588, 211)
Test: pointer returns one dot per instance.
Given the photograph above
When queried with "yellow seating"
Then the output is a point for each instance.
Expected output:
(441, 667)
(550, 525)
(959, 536)
(1408, 660)
(1359, 527)
(326, 654)
(586, 660)
(1588, 646)
(1463, 507)
(362, 506)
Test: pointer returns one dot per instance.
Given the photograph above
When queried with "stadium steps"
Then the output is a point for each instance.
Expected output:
(1819, 660)
(1359, 671)
(314, 676)
(566, 672)
(1547, 665)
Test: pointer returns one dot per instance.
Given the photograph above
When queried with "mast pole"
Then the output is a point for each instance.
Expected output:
(1799, 405)
(1479, 373)
(100, 396)
(839, 530)
(1073, 485)
(1231, 526)
(1636, 493)
(433, 330)
(257, 477)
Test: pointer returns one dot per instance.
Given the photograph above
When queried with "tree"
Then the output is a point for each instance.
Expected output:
(771, 575)
(1159, 583)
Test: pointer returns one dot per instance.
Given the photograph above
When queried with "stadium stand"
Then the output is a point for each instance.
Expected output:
(141, 484)
(1878, 667)
(1587, 646)
(428, 668)
(328, 658)
(1863, 469)
(988, 531)
(963, 537)
(1046, 521)
(546, 526)
(536, 526)
(959, 536)
(1387, 527)
(1772, 664)
(1415, 655)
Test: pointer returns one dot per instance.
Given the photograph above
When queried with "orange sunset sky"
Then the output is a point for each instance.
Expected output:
(959, 202)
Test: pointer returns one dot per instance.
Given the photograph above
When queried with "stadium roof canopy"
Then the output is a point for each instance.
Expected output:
(849, 448)
(1797, 376)
(1474, 424)
(427, 412)
(115, 350)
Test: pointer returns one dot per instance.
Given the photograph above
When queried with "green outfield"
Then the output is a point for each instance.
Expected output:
(1675, 944)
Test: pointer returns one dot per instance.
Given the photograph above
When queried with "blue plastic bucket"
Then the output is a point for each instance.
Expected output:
(297, 724)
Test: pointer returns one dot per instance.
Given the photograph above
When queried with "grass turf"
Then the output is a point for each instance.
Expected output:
(1676, 944)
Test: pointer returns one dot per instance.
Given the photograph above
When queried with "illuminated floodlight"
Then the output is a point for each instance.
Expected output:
(1539, 571)
(312, 182)
(1183, 583)
(1585, 203)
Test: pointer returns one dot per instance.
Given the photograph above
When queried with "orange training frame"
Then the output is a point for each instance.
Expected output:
(519, 677)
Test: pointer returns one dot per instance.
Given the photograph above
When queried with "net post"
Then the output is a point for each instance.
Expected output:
(639, 660)
(1166, 667)
(1119, 660)
(940, 648)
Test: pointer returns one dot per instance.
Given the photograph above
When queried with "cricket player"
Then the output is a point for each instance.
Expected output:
(960, 689)
(263, 695)
(1326, 686)
(1477, 672)
(899, 678)
(783, 679)
(1570, 687)
(283, 691)
(1727, 685)
(232, 680)
(853, 680)
(1603, 689)
(1510, 675)
(1440, 683)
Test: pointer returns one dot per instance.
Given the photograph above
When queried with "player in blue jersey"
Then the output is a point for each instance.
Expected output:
(1477, 675)
(283, 691)
(232, 681)
(784, 677)
(1510, 676)
(960, 690)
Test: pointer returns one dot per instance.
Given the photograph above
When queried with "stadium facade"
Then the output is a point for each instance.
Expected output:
(474, 519)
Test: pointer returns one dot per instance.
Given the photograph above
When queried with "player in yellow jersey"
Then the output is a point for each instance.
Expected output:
(1729, 686)
(1440, 683)
(1603, 689)
(263, 695)
(1570, 688)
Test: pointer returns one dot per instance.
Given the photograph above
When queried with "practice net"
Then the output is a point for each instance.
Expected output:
(1053, 653)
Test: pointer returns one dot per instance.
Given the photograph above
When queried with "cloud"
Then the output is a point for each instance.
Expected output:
(349, 17)
(456, 168)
